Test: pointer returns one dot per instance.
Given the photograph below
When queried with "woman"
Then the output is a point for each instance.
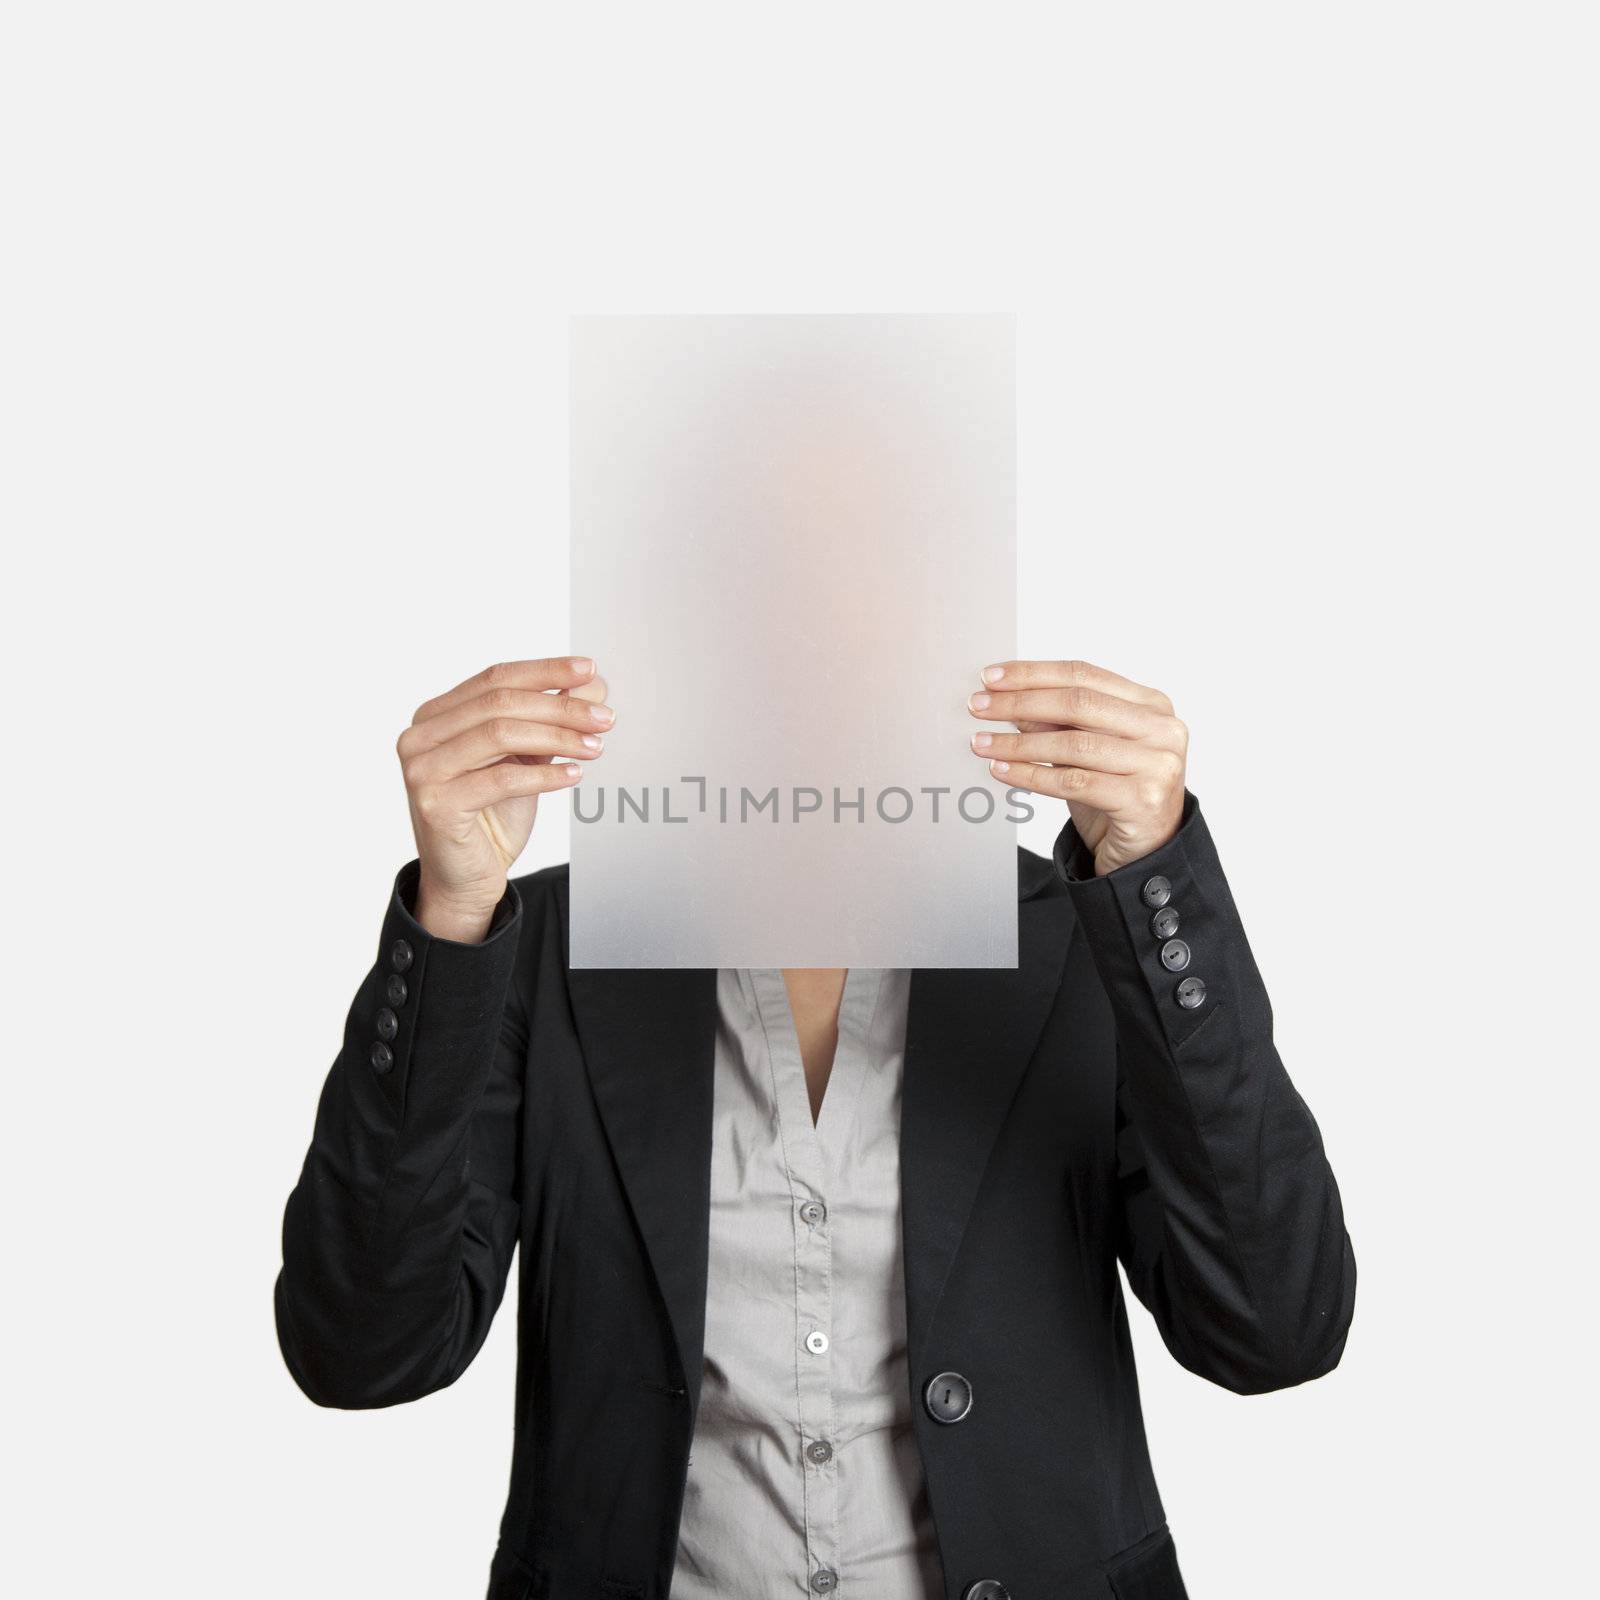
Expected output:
(818, 1277)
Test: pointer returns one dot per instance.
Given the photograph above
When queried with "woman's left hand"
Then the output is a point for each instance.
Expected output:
(1111, 748)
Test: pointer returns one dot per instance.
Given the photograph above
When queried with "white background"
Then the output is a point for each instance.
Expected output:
(1308, 348)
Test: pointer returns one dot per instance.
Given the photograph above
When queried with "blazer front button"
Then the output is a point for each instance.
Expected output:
(388, 1024)
(948, 1397)
(381, 1056)
(400, 955)
(1156, 892)
(987, 1589)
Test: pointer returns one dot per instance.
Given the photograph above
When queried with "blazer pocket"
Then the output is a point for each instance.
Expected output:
(1148, 1571)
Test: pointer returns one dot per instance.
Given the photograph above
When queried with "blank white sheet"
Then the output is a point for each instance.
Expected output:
(793, 551)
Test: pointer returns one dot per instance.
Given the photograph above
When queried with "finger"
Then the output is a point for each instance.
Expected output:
(517, 705)
(1171, 737)
(1105, 791)
(551, 672)
(492, 741)
(1073, 708)
(472, 791)
(1070, 747)
(1072, 675)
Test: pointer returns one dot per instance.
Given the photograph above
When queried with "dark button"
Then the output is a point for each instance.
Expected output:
(819, 1451)
(1191, 993)
(1165, 922)
(812, 1212)
(388, 1024)
(1174, 955)
(1156, 892)
(396, 990)
(400, 955)
(381, 1056)
(948, 1397)
(987, 1589)
(824, 1580)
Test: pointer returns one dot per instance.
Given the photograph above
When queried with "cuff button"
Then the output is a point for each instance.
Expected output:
(1191, 993)
(1175, 956)
(1165, 922)
(381, 1057)
(1156, 892)
(400, 955)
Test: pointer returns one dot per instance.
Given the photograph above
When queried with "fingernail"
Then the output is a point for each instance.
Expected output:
(993, 674)
(574, 772)
(591, 742)
(604, 715)
(979, 702)
(999, 768)
(982, 741)
(582, 665)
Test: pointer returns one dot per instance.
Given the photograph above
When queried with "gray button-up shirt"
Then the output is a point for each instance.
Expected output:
(804, 1476)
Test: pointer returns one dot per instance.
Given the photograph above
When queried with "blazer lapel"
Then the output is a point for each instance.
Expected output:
(648, 1038)
(970, 1034)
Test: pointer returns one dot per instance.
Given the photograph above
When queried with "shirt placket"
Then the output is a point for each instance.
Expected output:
(813, 1289)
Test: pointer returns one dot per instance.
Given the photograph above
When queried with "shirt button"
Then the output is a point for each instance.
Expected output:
(817, 1342)
(395, 990)
(1191, 993)
(824, 1580)
(1156, 892)
(812, 1212)
(381, 1056)
(1174, 955)
(400, 955)
(1165, 922)
(820, 1452)
(388, 1024)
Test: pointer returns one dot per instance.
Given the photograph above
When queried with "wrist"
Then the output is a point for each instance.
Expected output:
(1108, 860)
(463, 919)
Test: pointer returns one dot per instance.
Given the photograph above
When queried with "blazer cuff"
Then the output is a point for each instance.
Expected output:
(1157, 933)
(430, 1002)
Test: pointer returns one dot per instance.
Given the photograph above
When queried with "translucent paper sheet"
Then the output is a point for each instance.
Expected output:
(793, 551)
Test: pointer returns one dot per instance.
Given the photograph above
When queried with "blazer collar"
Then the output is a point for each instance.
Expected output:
(1034, 873)
(648, 1040)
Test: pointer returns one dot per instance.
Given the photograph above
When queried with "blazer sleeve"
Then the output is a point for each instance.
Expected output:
(398, 1237)
(1230, 1225)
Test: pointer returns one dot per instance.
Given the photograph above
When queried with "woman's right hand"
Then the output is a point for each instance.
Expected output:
(476, 761)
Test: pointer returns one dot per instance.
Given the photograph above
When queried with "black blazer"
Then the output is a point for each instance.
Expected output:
(1056, 1118)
